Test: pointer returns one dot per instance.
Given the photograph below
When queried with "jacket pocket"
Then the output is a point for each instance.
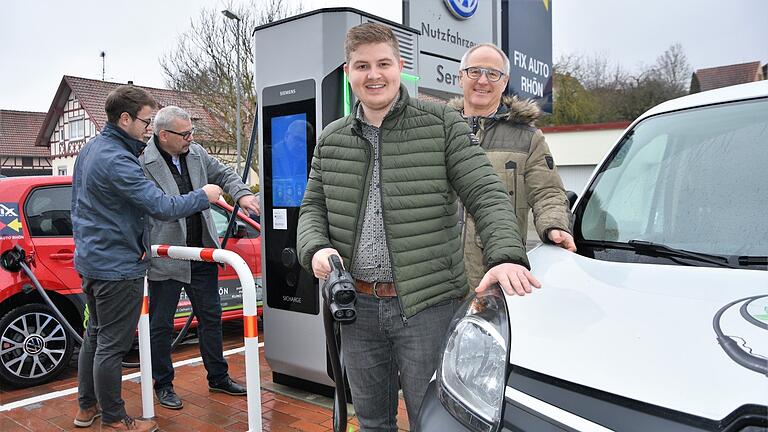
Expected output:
(508, 176)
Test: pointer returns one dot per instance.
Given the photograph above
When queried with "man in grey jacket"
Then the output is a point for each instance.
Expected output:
(178, 165)
(111, 200)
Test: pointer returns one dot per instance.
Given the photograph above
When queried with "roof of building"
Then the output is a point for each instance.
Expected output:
(586, 127)
(724, 76)
(18, 130)
(92, 95)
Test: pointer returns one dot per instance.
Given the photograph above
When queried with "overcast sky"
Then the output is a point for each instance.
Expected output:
(40, 41)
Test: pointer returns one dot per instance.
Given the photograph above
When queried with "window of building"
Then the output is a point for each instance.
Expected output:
(27, 161)
(62, 170)
(76, 129)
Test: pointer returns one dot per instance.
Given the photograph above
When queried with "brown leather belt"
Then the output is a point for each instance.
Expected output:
(376, 289)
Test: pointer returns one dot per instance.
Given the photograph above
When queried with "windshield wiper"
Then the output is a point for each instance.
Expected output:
(748, 260)
(659, 249)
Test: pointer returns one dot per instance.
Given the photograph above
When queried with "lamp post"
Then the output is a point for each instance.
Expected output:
(230, 15)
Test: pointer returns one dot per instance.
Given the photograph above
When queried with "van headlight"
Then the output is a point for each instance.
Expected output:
(472, 373)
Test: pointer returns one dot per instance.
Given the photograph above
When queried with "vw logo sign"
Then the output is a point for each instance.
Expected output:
(462, 9)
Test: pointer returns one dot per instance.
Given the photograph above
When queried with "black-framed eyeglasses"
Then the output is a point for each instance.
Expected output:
(184, 135)
(147, 122)
(475, 73)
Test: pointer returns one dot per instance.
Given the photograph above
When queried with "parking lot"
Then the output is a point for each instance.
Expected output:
(52, 406)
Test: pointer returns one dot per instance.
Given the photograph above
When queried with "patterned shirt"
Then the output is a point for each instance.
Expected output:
(372, 258)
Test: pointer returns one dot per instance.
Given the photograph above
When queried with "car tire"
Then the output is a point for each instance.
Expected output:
(35, 346)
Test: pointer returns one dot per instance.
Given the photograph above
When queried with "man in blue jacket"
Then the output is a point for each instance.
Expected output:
(111, 200)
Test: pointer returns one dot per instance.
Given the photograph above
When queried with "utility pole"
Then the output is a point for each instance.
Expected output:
(230, 15)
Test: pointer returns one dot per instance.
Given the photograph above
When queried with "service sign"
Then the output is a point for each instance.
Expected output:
(442, 74)
(529, 47)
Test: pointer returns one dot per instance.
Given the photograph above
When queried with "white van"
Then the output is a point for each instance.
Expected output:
(660, 321)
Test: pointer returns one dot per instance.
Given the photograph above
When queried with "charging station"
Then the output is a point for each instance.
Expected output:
(301, 88)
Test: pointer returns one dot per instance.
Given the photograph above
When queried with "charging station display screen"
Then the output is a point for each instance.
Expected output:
(289, 159)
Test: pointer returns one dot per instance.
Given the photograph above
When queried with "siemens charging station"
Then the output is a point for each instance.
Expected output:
(301, 88)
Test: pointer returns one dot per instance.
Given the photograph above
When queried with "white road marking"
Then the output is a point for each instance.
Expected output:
(60, 393)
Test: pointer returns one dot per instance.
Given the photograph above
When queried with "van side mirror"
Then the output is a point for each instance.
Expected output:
(572, 197)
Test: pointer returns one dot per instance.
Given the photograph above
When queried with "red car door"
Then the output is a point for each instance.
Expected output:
(47, 214)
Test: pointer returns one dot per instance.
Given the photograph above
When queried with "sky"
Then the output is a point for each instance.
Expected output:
(43, 40)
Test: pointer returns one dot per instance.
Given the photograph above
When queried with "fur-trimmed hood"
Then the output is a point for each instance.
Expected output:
(511, 109)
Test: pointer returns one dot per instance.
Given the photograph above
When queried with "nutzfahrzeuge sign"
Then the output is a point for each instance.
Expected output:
(448, 28)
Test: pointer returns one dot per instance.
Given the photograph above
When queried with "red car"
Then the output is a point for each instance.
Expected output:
(35, 215)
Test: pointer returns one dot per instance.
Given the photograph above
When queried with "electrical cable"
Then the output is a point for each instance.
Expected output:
(18, 261)
(340, 397)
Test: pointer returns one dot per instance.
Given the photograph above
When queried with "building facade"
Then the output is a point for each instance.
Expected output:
(18, 154)
(77, 114)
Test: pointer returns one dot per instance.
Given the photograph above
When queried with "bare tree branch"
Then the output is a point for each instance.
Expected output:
(204, 62)
(591, 89)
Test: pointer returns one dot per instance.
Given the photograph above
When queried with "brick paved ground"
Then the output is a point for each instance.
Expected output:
(203, 411)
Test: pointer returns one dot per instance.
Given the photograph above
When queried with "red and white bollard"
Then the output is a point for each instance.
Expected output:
(145, 358)
(251, 332)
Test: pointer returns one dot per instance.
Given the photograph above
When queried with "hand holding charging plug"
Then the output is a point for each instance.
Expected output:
(320, 267)
(339, 291)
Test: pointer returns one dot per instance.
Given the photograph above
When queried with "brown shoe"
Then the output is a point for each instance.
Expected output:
(85, 417)
(130, 424)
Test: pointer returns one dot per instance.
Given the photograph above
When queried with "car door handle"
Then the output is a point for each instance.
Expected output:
(62, 256)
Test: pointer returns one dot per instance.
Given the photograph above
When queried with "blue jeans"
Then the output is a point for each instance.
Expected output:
(377, 346)
(203, 293)
(114, 308)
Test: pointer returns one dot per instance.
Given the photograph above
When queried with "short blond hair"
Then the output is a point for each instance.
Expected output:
(370, 33)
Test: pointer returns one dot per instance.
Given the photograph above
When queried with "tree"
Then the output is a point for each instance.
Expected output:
(204, 62)
(607, 93)
(593, 72)
(573, 104)
(673, 69)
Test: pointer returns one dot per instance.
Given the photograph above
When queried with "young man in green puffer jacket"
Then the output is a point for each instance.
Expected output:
(383, 194)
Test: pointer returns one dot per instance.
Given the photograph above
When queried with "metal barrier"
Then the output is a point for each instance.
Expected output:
(250, 327)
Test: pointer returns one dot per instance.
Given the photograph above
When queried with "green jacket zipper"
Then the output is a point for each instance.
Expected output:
(386, 233)
(363, 197)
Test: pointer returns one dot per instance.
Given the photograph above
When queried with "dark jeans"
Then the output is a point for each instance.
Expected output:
(114, 308)
(203, 293)
(376, 346)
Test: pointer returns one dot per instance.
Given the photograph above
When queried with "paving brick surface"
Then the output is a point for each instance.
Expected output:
(203, 411)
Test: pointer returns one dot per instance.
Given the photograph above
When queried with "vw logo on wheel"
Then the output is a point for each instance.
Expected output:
(462, 9)
(34, 344)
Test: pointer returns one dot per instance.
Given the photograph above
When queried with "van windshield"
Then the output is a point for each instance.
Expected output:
(695, 180)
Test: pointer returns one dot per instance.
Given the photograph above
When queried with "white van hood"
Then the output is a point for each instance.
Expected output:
(641, 331)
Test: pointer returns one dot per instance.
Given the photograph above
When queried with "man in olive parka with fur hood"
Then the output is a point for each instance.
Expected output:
(517, 150)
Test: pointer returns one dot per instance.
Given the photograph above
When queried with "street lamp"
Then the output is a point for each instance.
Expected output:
(230, 15)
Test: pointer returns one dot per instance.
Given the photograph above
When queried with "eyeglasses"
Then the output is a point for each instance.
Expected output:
(184, 135)
(145, 121)
(475, 73)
